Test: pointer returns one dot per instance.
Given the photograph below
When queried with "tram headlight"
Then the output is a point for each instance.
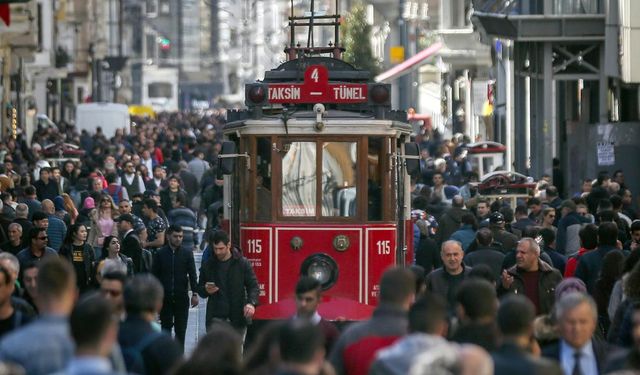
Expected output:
(255, 94)
(379, 94)
(322, 268)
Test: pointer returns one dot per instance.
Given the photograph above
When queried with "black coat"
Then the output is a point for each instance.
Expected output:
(487, 256)
(242, 283)
(590, 264)
(160, 356)
(131, 247)
(176, 270)
(510, 359)
(88, 259)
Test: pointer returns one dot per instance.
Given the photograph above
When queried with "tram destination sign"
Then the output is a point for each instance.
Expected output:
(317, 89)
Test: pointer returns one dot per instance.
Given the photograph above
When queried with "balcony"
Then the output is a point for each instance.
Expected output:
(526, 21)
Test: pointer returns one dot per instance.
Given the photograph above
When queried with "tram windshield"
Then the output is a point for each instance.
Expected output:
(299, 180)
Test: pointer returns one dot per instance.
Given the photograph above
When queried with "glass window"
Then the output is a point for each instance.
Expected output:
(299, 179)
(339, 161)
(263, 178)
(374, 179)
(160, 90)
(152, 7)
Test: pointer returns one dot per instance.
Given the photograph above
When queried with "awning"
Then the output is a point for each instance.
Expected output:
(407, 66)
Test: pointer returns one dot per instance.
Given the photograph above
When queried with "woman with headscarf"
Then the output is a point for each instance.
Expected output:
(85, 212)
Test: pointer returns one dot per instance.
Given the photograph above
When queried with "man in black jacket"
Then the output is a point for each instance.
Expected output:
(131, 243)
(174, 266)
(590, 264)
(229, 282)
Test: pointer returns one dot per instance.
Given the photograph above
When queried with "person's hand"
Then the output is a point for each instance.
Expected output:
(194, 300)
(211, 288)
(507, 279)
(249, 310)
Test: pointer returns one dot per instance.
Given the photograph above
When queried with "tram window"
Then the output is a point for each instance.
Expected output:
(374, 179)
(339, 163)
(299, 179)
(263, 178)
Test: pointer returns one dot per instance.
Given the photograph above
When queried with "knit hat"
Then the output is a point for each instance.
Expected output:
(568, 285)
(89, 203)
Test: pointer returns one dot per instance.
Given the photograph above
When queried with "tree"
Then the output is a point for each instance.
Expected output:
(356, 38)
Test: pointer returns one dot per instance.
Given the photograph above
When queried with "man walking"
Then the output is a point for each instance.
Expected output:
(174, 266)
(229, 282)
(444, 281)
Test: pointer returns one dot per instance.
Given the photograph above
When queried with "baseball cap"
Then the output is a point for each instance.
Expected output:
(125, 217)
(496, 218)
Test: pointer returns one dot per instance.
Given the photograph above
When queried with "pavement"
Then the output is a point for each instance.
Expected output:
(196, 327)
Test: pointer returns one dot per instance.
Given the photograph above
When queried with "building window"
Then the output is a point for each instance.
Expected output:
(160, 90)
(151, 47)
(165, 7)
(152, 8)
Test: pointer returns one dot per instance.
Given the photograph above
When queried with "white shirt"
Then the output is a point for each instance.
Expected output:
(588, 363)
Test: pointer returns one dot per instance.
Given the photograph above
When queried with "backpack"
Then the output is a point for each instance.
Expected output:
(132, 355)
(115, 195)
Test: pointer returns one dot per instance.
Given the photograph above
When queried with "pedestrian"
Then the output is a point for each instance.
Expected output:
(94, 329)
(56, 228)
(102, 223)
(228, 281)
(485, 253)
(450, 220)
(308, 297)
(445, 280)
(174, 266)
(558, 261)
(577, 352)
(45, 346)
(156, 225)
(185, 218)
(590, 263)
(218, 352)
(131, 246)
(569, 226)
(145, 350)
(301, 349)
(427, 329)
(125, 207)
(467, 232)
(112, 288)
(46, 187)
(14, 244)
(37, 249)
(507, 241)
(77, 251)
(516, 354)
(22, 218)
(531, 276)
(476, 308)
(111, 252)
(355, 349)
(11, 317)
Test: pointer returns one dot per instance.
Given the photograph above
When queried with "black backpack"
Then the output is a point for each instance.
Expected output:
(132, 355)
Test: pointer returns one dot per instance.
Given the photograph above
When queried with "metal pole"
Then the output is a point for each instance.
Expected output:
(404, 81)
(509, 107)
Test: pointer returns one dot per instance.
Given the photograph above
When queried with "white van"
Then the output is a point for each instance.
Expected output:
(108, 116)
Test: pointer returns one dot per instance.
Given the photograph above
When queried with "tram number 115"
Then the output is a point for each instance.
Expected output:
(254, 246)
(384, 247)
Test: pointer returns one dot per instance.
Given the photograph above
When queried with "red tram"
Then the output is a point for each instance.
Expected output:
(316, 182)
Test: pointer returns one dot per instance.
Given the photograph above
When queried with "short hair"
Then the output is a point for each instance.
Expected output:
(476, 297)
(55, 278)
(151, 204)
(427, 313)
(548, 236)
(515, 315)
(572, 300)
(142, 294)
(482, 200)
(396, 285)
(39, 215)
(174, 228)
(30, 190)
(219, 236)
(604, 205)
(22, 211)
(90, 319)
(483, 272)
(299, 341)
(15, 225)
(13, 261)
(507, 212)
(35, 231)
(589, 236)
(45, 169)
(607, 234)
(116, 276)
(484, 237)
(307, 284)
(547, 210)
(552, 191)
(532, 244)
(469, 219)
(457, 201)
(533, 201)
(451, 242)
(635, 225)
(521, 210)
(616, 201)
(111, 178)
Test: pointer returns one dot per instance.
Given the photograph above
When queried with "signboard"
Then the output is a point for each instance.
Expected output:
(606, 153)
(317, 89)
(396, 54)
